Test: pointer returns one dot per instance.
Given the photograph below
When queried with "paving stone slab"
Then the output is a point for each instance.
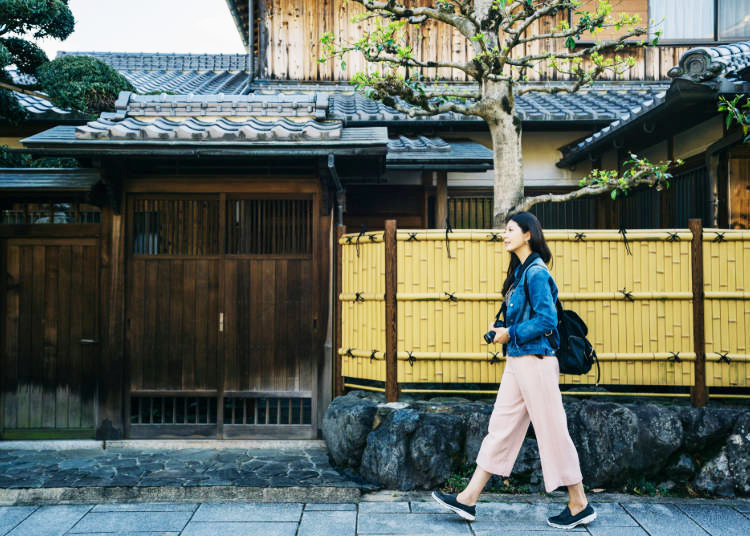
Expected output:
(328, 524)
(597, 530)
(663, 520)
(198, 528)
(132, 534)
(145, 507)
(127, 521)
(743, 507)
(411, 524)
(515, 516)
(430, 507)
(50, 521)
(383, 507)
(330, 507)
(10, 516)
(612, 515)
(718, 519)
(249, 512)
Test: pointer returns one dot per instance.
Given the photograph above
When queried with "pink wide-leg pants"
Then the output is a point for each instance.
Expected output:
(529, 390)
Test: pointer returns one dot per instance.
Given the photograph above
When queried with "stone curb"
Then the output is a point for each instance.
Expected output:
(166, 444)
(172, 494)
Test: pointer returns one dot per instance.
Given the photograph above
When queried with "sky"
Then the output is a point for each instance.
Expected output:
(166, 26)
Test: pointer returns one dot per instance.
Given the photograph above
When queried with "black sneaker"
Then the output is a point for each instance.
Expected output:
(450, 502)
(564, 520)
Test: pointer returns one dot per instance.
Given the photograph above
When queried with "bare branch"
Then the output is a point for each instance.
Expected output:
(391, 9)
(26, 91)
(552, 90)
(409, 61)
(526, 61)
(420, 110)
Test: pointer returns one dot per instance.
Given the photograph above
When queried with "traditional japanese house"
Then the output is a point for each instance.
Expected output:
(178, 283)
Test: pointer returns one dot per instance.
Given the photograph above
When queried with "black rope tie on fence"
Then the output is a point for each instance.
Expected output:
(358, 297)
(372, 355)
(495, 358)
(627, 294)
(413, 237)
(360, 235)
(719, 237)
(674, 357)
(494, 237)
(372, 237)
(411, 358)
(624, 232)
(448, 229)
(349, 352)
(580, 237)
(451, 297)
(724, 357)
(673, 237)
(349, 240)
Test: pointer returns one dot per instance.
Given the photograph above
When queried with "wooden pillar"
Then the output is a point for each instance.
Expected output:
(391, 317)
(699, 392)
(441, 200)
(338, 378)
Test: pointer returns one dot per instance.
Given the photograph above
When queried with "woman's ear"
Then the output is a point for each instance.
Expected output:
(527, 236)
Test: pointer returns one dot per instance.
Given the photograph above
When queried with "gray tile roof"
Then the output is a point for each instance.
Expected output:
(62, 180)
(62, 140)
(437, 154)
(192, 129)
(178, 73)
(257, 105)
(38, 107)
(601, 102)
(719, 69)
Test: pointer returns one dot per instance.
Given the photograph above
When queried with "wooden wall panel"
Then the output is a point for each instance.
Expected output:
(293, 29)
(50, 369)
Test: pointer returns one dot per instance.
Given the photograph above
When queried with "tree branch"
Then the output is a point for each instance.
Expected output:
(525, 61)
(391, 9)
(602, 182)
(26, 92)
(409, 61)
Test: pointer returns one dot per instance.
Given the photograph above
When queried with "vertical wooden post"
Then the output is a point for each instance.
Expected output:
(391, 318)
(441, 200)
(699, 392)
(338, 378)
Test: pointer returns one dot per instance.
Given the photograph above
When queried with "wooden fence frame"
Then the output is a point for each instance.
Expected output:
(698, 391)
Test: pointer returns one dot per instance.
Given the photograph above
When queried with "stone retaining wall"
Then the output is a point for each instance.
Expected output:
(419, 444)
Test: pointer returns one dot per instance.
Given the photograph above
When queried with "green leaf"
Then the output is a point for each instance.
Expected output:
(570, 43)
(343, 65)
(613, 194)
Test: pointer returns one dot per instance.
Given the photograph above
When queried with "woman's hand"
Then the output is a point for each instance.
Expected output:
(501, 336)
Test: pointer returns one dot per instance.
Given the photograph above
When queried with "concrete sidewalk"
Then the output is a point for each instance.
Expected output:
(506, 516)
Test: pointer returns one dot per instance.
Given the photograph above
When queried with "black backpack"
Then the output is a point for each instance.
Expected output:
(575, 354)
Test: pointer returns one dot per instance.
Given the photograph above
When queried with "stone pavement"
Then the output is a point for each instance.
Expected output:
(57, 472)
(509, 517)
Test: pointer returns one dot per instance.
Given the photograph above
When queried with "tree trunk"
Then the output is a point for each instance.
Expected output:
(498, 109)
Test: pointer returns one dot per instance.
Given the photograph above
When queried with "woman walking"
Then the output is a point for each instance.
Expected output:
(529, 390)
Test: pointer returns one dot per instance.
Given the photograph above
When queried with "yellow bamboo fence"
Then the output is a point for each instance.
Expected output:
(634, 291)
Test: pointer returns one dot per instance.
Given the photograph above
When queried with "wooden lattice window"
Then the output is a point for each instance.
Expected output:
(172, 410)
(269, 227)
(46, 212)
(171, 226)
(267, 410)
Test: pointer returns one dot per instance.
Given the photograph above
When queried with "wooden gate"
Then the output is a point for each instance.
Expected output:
(50, 347)
(219, 315)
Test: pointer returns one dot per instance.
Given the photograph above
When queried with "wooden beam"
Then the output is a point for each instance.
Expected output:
(699, 391)
(338, 378)
(391, 314)
(441, 201)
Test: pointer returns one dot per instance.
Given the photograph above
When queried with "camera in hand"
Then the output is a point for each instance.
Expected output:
(489, 337)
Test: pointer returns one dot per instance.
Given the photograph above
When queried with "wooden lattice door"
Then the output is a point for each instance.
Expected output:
(219, 316)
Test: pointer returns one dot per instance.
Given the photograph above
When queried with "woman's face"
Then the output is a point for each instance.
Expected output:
(514, 237)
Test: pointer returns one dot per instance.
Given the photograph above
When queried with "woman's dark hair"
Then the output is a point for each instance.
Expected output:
(528, 223)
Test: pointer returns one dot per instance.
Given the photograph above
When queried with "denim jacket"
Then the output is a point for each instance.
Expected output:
(535, 334)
